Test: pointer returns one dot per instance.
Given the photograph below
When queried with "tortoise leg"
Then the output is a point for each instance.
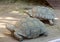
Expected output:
(54, 21)
(45, 34)
(51, 22)
(18, 37)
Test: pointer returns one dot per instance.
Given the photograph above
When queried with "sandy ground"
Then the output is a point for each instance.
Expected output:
(8, 14)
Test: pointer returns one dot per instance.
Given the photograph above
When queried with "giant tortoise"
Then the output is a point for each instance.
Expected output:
(42, 13)
(27, 28)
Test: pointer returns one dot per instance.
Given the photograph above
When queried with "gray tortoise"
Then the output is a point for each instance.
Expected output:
(42, 13)
(27, 28)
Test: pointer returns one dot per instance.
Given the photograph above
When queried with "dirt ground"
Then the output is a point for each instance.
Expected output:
(11, 14)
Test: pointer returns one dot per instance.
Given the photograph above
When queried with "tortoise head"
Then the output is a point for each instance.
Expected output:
(29, 12)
